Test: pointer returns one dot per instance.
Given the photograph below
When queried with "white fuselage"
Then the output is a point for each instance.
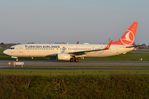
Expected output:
(43, 50)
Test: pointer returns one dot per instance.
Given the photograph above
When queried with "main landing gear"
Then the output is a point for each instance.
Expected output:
(74, 59)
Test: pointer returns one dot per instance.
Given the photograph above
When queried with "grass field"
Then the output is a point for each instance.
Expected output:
(55, 84)
(74, 84)
(68, 72)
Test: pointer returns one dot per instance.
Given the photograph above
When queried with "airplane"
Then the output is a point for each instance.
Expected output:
(74, 52)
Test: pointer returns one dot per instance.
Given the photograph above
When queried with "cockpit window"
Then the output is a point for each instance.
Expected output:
(11, 47)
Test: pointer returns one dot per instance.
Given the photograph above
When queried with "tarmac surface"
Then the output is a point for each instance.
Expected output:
(82, 65)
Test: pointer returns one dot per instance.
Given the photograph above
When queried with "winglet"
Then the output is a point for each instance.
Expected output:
(108, 45)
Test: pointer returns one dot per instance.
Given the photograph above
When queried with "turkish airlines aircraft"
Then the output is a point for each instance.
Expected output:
(73, 52)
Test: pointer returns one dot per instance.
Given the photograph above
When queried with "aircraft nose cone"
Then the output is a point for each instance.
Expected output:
(5, 52)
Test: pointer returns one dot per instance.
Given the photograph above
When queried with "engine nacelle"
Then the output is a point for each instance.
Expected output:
(64, 57)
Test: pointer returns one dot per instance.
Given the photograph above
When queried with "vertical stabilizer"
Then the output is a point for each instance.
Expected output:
(128, 37)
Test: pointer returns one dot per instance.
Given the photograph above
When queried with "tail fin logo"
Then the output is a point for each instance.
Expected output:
(128, 38)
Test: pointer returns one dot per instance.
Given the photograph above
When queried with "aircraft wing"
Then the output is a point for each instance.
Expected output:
(86, 51)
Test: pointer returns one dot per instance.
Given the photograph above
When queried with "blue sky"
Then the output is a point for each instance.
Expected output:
(93, 21)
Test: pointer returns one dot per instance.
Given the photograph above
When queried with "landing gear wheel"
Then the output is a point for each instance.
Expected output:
(74, 59)
(17, 59)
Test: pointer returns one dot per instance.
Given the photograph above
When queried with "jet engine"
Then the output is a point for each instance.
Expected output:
(64, 57)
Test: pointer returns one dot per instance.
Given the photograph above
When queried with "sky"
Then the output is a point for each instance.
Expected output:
(87, 21)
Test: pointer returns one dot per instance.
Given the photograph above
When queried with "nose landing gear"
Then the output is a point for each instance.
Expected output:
(17, 59)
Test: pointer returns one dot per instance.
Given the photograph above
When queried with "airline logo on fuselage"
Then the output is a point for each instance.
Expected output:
(42, 46)
(128, 38)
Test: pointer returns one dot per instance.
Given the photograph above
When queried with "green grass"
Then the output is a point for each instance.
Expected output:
(98, 84)
(1, 51)
(74, 84)
(68, 72)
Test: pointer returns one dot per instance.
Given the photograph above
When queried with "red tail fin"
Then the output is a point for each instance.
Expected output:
(129, 36)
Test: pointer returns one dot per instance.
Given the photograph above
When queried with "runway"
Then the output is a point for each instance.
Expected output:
(82, 65)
